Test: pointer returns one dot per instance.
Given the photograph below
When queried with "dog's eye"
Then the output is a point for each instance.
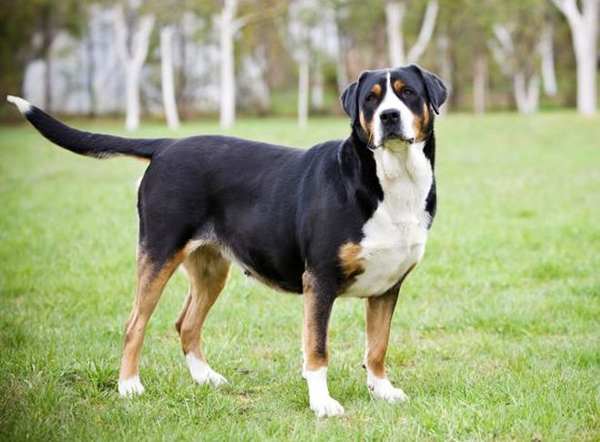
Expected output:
(370, 97)
(407, 92)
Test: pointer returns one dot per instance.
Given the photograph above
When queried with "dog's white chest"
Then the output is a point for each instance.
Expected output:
(395, 236)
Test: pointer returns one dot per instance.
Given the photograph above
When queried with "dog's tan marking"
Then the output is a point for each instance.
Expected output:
(420, 124)
(376, 89)
(207, 270)
(378, 312)
(151, 282)
(186, 305)
(426, 114)
(315, 352)
(398, 85)
(350, 260)
(363, 123)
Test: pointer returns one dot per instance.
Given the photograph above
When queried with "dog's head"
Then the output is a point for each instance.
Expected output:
(393, 107)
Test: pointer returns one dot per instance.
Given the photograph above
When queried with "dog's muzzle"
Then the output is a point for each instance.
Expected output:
(392, 127)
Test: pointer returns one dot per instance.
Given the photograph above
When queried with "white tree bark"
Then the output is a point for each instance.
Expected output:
(317, 94)
(394, 18)
(480, 74)
(526, 93)
(584, 30)
(547, 54)
(340, 58)
(425, 33)
(255, 72)
(227, 30)
(395, 11)
(167, 80)
(303, 90)
(133, 57)
(526, 88)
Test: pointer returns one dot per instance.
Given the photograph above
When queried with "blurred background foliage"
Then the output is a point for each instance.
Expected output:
(287, 57)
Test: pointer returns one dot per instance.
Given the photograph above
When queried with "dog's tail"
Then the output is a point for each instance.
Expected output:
(87, 143)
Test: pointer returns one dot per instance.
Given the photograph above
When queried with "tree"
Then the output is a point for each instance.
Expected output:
(340, 12)
(395, 11)
(42, 19)
(228, 26)
(525, 78)
(517, 48)
(584, 31)
(302, 19)
(547, 54)
(309, 23)
(167, 77)
(133, 38)
(468, 26)
(227, 29)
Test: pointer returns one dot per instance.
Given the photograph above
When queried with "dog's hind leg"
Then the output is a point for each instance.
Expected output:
(207, 270)
(152, 276)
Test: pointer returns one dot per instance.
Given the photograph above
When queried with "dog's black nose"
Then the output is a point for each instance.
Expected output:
(390, 116)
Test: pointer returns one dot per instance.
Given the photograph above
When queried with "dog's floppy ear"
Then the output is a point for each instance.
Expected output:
(349, 101)
(435, 87)
(349, 98)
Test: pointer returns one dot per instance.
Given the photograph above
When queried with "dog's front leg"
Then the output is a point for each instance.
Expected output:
(318, 301)
(379, 311)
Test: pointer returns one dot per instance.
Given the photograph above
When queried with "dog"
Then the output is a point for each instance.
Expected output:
(343, 218)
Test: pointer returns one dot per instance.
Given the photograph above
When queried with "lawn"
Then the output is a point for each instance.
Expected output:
(496, 334)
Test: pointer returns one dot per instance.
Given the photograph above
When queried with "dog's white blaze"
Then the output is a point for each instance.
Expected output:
(391, 101)
(23, 105)
(318, 394)
(130, 387)
(202, 373)
(382, 388)
(395, 236)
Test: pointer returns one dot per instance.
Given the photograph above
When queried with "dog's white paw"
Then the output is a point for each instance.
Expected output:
(130, 387)
(202, 373)
(325, 406)
(382, 388)
(318, 394)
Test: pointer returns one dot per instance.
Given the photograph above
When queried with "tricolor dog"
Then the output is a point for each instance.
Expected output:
(344, 218)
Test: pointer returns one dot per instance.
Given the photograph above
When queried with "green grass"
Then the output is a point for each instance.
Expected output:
(496, 334)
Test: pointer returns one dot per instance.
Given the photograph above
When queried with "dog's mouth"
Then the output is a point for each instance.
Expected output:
(399, 138)
(393, 140)
(397, 141)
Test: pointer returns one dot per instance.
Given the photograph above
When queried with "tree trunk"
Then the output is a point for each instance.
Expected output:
(90, 74)
(547, 54)
(584, 31)
(586, 53)
(394, 16)
(340, 59)
(167, 80)
(480, 73)
(262, 89)
(132, 92)
(317, 87)
(303, 86)
(226, 34)
(133, 59)
(526, 93)
(425, 33)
